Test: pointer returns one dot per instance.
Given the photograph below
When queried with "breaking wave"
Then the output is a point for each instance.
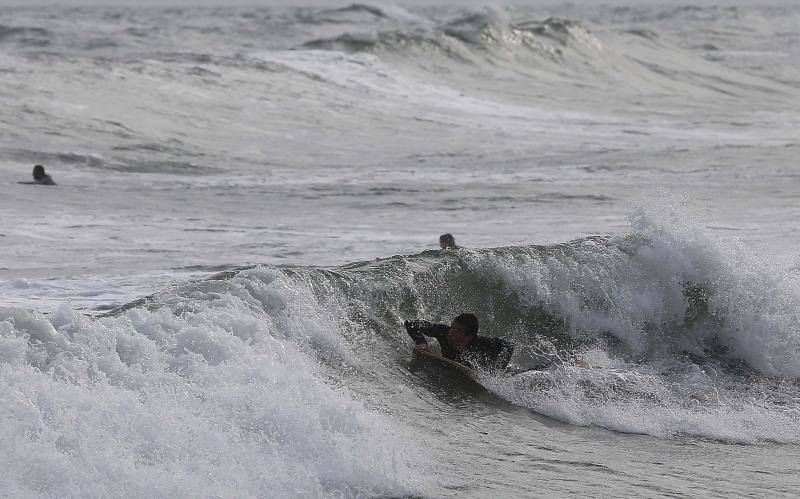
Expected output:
(552, 50)
(288, 368)
(490, 29)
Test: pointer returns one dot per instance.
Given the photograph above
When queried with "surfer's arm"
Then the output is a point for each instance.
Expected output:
(418, 330)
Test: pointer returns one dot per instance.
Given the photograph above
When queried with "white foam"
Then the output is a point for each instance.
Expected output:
(638, 290)
(219, 400)
(692, 405)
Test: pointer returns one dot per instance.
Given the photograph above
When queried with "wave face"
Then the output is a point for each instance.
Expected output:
(299, 371)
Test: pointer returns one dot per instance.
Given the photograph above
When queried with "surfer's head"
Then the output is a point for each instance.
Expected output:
(447, 241)
(38, 172)
(462, 331)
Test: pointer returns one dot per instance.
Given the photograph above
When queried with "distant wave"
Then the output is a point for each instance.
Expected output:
(486, 29)
(26, 36)
(619, 57)
(132, 158)
(662, 13)
(360, 11)
(356, 8)
(629, 59)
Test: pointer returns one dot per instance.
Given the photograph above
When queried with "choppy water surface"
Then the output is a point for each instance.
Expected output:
(623, 180)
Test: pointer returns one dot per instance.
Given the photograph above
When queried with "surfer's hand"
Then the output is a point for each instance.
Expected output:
(422, 347)
(411, 326)
(580, 361)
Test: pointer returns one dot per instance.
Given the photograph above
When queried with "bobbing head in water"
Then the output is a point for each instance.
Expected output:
(447, 241)
(38, 172)
(39, 176)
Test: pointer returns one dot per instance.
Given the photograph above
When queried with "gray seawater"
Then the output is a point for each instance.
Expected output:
(209, 301)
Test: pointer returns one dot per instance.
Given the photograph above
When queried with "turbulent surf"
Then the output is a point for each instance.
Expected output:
(207, 302)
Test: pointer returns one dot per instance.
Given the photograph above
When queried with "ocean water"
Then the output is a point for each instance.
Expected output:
(210, 301)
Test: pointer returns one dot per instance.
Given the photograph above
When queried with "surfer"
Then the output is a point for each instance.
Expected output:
(40, 177)
(447, 241)
(461, 343)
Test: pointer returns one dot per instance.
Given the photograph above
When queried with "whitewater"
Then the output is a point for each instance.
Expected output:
(209, 303)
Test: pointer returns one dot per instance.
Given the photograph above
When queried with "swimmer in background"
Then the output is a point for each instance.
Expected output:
(447, 241)
(40, 177)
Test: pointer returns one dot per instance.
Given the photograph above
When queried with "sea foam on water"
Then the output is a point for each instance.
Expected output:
(214, 402)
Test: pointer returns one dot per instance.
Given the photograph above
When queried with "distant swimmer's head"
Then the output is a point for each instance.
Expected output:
(38, 172)
(462, 331)
(447, 241)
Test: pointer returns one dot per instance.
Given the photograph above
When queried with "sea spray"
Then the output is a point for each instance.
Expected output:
(201, 395)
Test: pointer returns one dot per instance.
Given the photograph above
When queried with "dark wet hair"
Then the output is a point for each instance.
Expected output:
(38, 172)
(470, 323)
(447, 240)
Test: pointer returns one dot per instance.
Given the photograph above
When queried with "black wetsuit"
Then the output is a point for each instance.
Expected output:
(482, 352)
(43, 180)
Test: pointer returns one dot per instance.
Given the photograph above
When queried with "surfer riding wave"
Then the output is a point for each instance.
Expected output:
(461, 343)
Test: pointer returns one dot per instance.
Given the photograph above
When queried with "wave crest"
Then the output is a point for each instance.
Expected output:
(485, 30)
(26, 36)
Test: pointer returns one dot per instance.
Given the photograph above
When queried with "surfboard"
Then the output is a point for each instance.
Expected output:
(461, 367)
(580, 362)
